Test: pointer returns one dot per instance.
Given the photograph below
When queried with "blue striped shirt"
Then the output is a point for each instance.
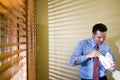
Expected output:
(86, 65)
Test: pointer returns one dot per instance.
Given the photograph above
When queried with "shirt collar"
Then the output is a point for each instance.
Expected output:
(93, 44)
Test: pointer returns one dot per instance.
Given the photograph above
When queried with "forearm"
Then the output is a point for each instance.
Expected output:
(76, 60)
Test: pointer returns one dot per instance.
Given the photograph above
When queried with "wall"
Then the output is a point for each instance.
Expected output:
(42, 40)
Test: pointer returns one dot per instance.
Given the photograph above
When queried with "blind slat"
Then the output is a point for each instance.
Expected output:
(11, 44)
(8, 73)
(9, 54)
(8, 64)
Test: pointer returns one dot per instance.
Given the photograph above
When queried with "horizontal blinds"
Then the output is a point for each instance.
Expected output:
(69, 22)
(12, 38)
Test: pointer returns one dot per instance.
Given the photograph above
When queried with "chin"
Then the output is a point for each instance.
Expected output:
(100, 43)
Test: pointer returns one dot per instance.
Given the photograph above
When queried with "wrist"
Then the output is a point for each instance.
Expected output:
(76, 62)
(87, 56)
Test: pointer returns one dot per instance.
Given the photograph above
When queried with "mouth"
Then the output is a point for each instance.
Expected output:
(100, 42)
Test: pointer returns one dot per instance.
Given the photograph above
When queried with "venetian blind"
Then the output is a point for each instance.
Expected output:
(17, 40)
(69, 22)
(12, 38)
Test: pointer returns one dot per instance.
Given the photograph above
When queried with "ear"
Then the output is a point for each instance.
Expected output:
(93, 35)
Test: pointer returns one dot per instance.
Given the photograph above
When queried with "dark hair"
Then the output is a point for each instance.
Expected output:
(99, 27)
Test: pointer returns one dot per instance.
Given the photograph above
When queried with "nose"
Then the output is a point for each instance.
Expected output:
(102, 39)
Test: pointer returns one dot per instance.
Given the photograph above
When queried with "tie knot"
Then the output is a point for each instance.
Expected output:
(96, 47)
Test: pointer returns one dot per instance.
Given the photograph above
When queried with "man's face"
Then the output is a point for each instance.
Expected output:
(99, 37)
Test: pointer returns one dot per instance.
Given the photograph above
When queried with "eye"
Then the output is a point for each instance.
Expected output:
(104, 37)
(99, 37)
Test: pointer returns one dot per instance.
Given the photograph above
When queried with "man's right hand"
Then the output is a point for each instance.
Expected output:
(95, 53)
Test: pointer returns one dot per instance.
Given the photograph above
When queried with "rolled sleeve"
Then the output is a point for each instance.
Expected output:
(77, 55)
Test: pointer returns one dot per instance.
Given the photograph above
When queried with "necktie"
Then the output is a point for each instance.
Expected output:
(96, 67)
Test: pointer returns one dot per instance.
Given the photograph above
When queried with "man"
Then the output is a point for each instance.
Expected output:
(85, 53)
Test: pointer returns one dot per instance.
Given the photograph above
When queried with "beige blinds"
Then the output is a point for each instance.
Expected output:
(69, 22)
